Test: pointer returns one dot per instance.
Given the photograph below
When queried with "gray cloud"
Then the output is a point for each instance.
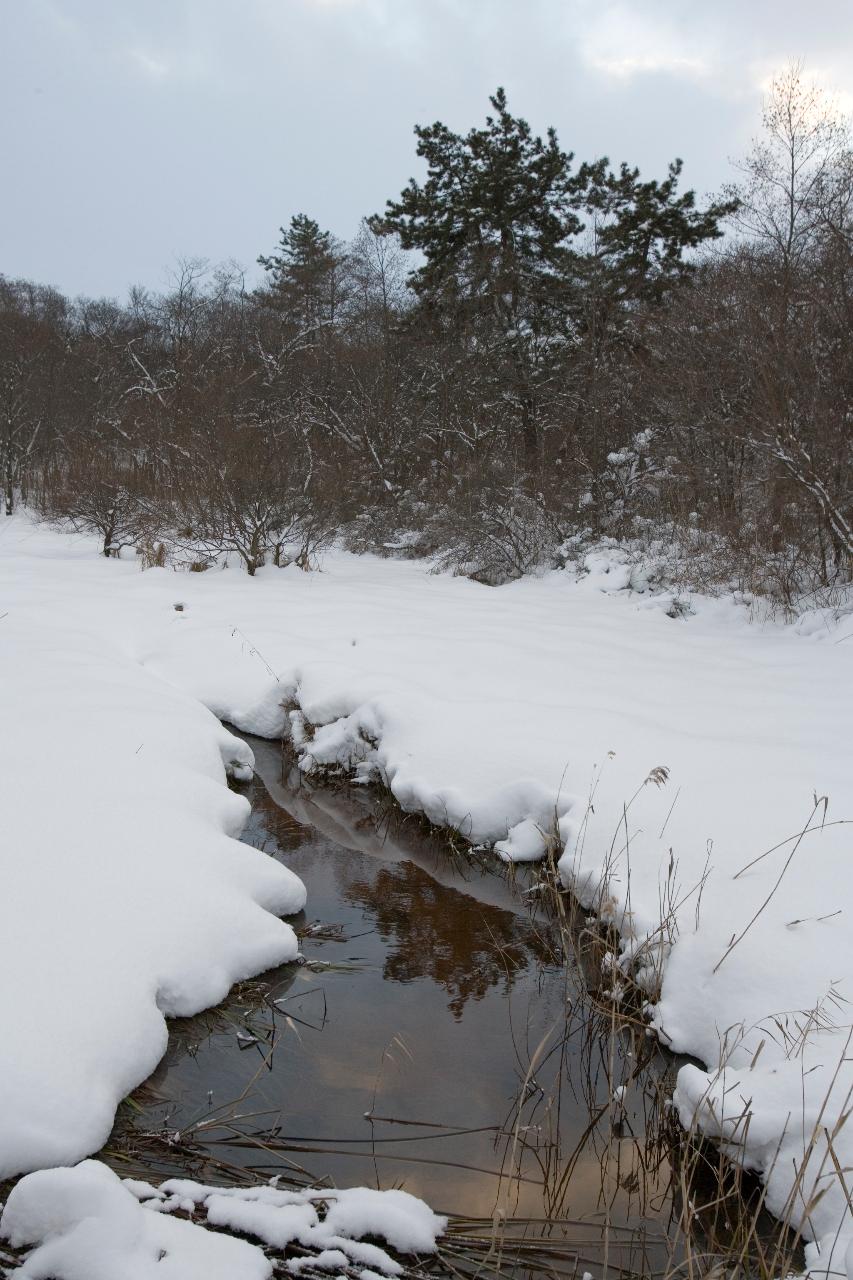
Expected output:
(136, 133)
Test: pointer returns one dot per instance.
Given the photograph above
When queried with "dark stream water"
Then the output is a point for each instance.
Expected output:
(435, 1039)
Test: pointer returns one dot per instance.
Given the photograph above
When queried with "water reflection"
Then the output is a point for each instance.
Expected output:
(431, 1001)
(436, 1039)
(433, 933)
(461, 940)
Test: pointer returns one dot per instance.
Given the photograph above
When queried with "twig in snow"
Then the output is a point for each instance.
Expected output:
(255, 653)
(822, 801)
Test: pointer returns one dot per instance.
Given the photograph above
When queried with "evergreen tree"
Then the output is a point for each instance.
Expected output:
(646, 227)
(499, 222)
(305, 273)
(493, 220)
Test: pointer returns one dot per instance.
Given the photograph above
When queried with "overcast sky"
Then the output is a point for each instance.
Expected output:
(135, 132)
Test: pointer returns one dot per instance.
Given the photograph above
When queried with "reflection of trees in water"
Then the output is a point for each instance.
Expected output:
(433, 930)
(465, 946)
(273, 824)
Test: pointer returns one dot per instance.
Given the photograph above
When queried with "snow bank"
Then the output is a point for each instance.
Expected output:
(665, 753)
(88, 1225)
(125, 895)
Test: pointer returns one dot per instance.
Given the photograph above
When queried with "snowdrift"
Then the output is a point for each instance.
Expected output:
(666, 753)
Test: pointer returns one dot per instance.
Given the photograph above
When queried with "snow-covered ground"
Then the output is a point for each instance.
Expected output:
(87, 1224)
(125, 894)
(496, 710)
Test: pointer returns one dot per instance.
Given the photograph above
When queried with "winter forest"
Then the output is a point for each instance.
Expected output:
(524, 353)
(426, 790)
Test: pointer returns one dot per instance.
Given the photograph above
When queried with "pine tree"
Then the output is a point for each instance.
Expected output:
(646, 227)
(305, 273)
(493, 221)
(492, 216)
(499, 222)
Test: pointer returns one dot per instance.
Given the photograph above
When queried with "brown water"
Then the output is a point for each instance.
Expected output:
(436, 1039)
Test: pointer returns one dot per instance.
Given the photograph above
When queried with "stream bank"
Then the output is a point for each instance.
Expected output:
(436, 1038)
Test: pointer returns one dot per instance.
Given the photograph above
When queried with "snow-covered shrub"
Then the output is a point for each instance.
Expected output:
(280, 529)
(629, 484)
(251, 493)
(99, 502)
(397, 529)
(500, 536)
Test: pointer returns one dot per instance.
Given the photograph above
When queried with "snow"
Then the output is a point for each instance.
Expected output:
(126, 896)
(664, 753)
(275, 1225)
(404, 1221)
(88, 1225)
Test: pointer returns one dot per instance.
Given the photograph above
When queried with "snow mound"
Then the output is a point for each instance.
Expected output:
(86, 1224)
(404, 1221)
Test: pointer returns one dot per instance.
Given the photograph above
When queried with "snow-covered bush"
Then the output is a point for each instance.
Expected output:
(282, 529)
(498, 537)
(99, 500)
(397, 528)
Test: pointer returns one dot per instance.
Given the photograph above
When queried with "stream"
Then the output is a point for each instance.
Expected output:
(436, 1038)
